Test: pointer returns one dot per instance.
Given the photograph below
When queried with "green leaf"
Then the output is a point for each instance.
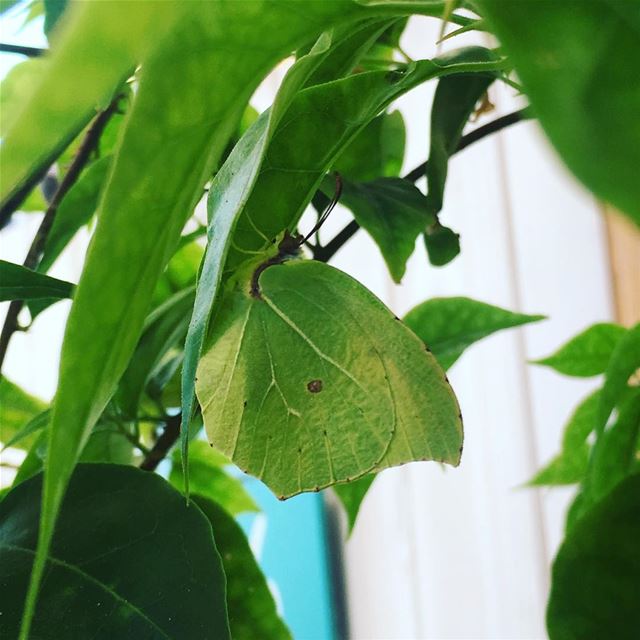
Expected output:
(614, 453)
(75, 210)
(570, 466)
(623, 364)
(577, 61)
(17, 408)
(80, 77)
(252, 611)
(21, 435)
(208, 478)
(596, 573)
(16, 88)
(454, 102)
(377, 151)
(449, 325)
(165, 328)
(298, 158)
(53, 10)
(442, 243)
(392, 211)
(351, 495)
(117, 527)
(19, 283)
(311, 381)
(588, 353)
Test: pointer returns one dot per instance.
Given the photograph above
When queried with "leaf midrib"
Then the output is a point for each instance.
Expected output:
(89, 578)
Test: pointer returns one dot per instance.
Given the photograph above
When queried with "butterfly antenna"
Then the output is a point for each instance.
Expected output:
(330, 207)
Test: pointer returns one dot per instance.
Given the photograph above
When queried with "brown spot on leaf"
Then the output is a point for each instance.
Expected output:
(314, 386)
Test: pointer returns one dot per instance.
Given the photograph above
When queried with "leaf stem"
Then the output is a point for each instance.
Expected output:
(169, 437)
(325, 253)
(31, 52)
(37, 246)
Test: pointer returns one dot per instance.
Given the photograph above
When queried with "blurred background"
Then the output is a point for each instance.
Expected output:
(436, 552)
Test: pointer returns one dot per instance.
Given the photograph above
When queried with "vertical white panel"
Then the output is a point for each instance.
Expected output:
(465, 553)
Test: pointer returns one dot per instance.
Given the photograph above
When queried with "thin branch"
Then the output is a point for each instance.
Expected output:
(31, 52)
(37, 246)
(163, 444)
(324, 254)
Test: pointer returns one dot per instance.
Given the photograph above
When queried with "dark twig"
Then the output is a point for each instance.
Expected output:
(31, 52)
(325, 253)
(37, 246)
(163, 444)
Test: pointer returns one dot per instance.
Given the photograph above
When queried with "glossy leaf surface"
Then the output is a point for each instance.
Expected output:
(116, 524)
(362, 392)
(252, 610)
(596, 574)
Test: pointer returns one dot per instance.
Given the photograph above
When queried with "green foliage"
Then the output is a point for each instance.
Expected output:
(596, 574)
(393, 212)
(577, 62)
(570, 465)
(449, 325)
(17, 408)
(307, 380)
(19, 283)
(101, 557)
(208, 478)
(252, 611)
(377, 151)
(588, 353)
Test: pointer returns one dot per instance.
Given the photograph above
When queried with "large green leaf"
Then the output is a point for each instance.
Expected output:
(17, 408)
(588, 353)
(252, 611)
(311, 381)
(94, 52)
(208, 478)
(187, 104)
(393, 211)
(128, 560)
(578, 63)
(570, 465)
(596, 574)
(449, 325)
(623, 364)
(19, 283)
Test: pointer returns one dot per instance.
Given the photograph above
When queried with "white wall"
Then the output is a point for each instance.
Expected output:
(465, 553)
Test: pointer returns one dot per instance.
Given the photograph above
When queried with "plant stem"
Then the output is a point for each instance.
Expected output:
(31, 52)
(37, 246)
(325, 253)
(163, 444)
